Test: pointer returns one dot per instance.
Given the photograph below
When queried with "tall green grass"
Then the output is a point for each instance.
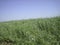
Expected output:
(31, 32)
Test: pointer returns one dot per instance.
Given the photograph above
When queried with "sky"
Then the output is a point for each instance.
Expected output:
(28, 9)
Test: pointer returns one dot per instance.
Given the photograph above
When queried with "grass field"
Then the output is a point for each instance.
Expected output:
(44, 31)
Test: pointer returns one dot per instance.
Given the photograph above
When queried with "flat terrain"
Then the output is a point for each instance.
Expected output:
(43, 31)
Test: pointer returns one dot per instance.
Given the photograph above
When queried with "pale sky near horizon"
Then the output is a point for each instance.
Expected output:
(27, 9)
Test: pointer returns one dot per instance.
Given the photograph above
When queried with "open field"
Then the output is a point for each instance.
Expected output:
(31, 32)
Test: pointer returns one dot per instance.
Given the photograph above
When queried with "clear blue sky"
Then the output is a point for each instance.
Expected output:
(26, 9)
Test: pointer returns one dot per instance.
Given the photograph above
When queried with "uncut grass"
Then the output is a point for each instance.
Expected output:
(31, 32)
